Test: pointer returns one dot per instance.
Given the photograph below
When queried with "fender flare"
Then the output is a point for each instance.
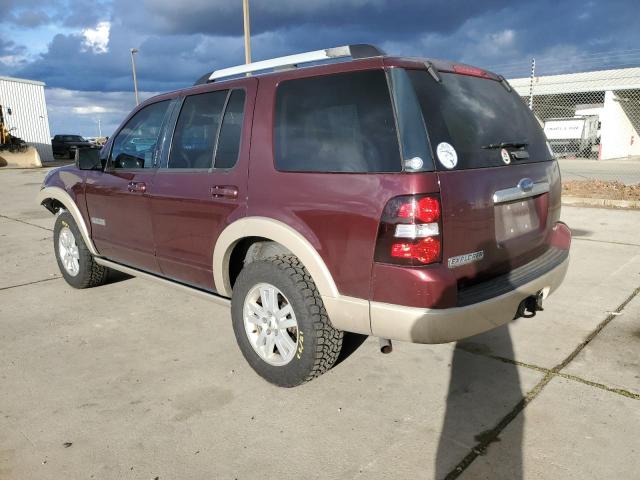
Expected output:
(278, 232)
(63, 197)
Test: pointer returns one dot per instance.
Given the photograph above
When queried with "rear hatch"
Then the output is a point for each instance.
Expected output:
(499, 185)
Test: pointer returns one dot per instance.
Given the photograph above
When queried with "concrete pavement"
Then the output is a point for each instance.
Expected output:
(135, 380)
(626, 171)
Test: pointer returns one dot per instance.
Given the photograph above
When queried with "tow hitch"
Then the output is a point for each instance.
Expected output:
(530, 305)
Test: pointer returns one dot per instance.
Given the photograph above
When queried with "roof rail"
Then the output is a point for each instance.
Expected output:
(355, 51)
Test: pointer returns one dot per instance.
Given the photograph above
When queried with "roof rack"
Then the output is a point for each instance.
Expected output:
(355, 51)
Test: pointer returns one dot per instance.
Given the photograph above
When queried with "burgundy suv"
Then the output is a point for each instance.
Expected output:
(404, 198)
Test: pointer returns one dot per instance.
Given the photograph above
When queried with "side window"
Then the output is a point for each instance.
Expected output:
(135, 144)
(336, 123)
(195, 134)
(231, 131)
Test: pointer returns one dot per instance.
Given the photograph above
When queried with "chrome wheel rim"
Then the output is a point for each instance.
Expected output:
(270, 324)
(68, 251)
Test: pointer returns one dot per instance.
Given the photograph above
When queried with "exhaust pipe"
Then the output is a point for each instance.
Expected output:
(385, 346)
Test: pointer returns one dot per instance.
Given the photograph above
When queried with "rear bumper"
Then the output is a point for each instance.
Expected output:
(420, 325)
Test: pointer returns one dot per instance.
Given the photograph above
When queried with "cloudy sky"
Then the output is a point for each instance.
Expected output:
(80, 48)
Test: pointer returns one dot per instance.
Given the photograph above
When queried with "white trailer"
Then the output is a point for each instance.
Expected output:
(573, 136)
(24, 110)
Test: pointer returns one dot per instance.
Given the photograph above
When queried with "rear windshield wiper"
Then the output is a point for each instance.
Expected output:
(505, 145)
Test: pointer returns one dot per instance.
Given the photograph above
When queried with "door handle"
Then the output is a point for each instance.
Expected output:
(224, 191)
(137, 187)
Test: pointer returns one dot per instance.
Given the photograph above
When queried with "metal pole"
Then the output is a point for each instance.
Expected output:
(99, 128)
(247, 32)
(533, 74)
(135, 79)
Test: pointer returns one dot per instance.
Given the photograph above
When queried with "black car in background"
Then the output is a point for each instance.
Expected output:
(66, 145)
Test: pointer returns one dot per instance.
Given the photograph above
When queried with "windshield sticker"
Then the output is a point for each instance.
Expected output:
(506, 158)
(447, 155)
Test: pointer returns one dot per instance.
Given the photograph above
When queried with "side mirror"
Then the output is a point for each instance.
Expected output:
(88, 159)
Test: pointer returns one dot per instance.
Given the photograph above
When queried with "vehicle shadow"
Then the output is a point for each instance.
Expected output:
(481, 392)
(350, 343)
(115, 276)
(577, 232)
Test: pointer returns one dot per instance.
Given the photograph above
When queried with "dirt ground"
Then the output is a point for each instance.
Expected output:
(613, 190)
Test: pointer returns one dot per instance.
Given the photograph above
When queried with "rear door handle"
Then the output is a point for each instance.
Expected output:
(138, 187)
(224, 191)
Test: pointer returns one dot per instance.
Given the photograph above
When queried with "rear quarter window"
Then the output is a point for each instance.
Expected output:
(470, 113)
(336, 123)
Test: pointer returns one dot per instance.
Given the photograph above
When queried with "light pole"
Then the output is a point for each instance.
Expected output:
(135, 79)
(247, 32)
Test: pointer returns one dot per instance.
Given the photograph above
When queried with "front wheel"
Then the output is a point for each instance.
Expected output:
(75, 261)
(280, 322)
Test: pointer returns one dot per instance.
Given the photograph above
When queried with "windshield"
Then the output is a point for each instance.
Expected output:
(471, 120)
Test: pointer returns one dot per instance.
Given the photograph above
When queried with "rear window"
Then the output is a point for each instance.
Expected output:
(336, 123)
(470, 113)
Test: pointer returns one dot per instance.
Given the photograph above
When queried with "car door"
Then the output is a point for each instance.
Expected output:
(202, 185)
(117, 199)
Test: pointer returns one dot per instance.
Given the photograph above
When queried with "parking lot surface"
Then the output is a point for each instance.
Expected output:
(626, 170)
(134, 380)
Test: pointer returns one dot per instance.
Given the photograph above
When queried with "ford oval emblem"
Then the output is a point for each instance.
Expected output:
(526, 184)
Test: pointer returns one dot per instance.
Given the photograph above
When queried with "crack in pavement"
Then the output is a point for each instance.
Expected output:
(26, 223)
(619, 391)
(56, 277)
(481, 447)
(606, 241)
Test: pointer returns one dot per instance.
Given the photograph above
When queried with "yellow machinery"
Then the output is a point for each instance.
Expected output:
(15, 152)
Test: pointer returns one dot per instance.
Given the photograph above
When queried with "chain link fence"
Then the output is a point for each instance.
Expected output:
(589, 108)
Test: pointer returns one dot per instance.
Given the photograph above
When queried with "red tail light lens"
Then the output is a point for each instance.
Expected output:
(426, 250)
(424, 210)
(409, 232)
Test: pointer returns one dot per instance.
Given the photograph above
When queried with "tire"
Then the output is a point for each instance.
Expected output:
(316, 343)
(89, 273)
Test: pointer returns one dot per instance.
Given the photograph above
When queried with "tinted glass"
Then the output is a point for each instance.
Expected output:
(416, 154)
(135, 144)
(336, 123)
(195, 135)
(231, 131)
(73, 138)
(470, 113)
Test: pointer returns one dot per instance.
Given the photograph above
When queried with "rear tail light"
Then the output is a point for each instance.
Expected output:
(410, 231)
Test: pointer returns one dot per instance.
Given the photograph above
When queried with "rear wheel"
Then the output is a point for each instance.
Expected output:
(74, 259)
(280, 322)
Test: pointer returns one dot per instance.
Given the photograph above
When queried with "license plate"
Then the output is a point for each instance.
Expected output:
(515, 219)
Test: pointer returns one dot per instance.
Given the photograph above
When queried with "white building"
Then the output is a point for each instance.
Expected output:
(24, 110)
(612, 95)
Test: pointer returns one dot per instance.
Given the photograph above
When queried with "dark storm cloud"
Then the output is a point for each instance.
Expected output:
(31, 18)
(8, 47)
(222, 17)
(179, 41)
(71, 13)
